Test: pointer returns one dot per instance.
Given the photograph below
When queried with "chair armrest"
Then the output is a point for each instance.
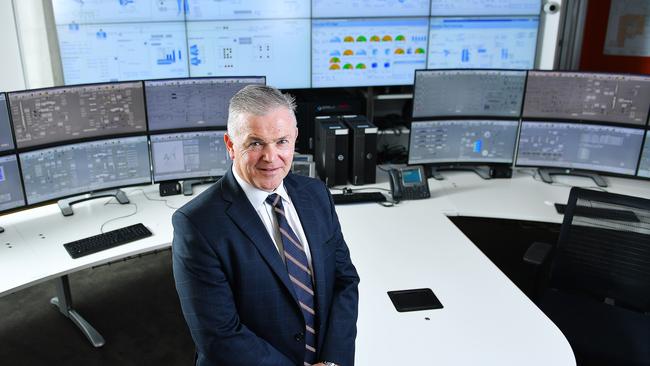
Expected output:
(537, 253)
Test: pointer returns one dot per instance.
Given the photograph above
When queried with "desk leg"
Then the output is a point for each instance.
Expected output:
(63, 301)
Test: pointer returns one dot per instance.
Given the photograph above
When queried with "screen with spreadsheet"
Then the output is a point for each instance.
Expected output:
(480, 43)
(493, 93)
(6, 137)
(69, 170)
(192, 103)
(188, 155)
(587, 96)
(11, 189)
(462, 141)
(608, 149)
(55, 115)
(644, 163)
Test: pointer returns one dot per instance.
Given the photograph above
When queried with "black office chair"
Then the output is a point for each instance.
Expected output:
(598, 289)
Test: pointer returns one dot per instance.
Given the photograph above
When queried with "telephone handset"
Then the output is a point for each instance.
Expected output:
(409, 183)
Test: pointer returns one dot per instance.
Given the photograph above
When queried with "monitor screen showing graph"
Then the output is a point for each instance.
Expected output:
(192, 103)
(54, 115)
(360, 52)
(462, 141)
(588, 96)
(11, 189)
(189, 155)
(608, 149)
(69, 170)
(473, 43)
(494, 93)
(6, 137)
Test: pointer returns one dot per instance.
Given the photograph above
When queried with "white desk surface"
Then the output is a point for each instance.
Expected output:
(486, 319)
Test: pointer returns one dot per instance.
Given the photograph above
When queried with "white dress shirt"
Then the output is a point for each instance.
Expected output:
(257, 198)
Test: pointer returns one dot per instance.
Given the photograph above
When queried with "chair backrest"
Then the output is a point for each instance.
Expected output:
(604, 248)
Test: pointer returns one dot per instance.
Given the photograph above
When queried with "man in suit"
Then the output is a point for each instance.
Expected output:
(262, 271)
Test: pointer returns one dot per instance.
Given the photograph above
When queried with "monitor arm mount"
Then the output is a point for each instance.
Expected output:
(547, 175)
(482, 171)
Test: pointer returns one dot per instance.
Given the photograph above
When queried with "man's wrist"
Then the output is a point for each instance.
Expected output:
(329, 363)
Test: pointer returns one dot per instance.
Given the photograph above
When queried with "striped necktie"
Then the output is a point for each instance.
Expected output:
(299, 274)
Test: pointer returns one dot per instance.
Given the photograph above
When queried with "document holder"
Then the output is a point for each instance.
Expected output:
(415, 299)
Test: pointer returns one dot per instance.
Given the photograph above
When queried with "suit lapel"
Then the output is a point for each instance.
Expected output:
(246, 218)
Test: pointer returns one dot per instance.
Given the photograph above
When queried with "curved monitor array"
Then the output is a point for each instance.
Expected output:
(570, 120)
(65, 141)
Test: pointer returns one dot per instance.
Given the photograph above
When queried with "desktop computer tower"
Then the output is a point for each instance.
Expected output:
(323, 102)
(331, 155)
(362, 149)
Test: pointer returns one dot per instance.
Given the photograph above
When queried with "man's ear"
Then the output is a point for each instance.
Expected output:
(229, 146)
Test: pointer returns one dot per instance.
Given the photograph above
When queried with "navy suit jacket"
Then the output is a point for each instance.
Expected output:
(234, 289)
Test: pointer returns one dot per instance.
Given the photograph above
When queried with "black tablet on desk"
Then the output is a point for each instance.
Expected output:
(416, 299)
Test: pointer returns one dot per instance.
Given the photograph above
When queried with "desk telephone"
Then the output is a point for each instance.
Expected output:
(409, 183)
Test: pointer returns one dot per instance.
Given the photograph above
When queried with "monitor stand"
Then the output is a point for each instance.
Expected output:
(188, 184)
(483, 172)
(547, 175)
(66, 204)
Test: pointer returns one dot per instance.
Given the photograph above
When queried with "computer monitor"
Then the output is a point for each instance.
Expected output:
(587, 96)
(368, 8)
(237, 9)
(11, 188)
(192, 103)
(6, 137)
(644, 162)
(56, 115)
(485, 7)
(489, 42)
(607, 149)
(68, 170)
(277, 48)
(189, 155)
(93, 53)
(367, 52)
(102, 11)
(488, 93)
(462, 141)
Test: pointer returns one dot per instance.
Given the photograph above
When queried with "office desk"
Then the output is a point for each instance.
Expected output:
(486, 320)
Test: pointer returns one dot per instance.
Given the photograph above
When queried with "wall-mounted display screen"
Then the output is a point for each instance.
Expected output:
(188, 155)
(117, 11)
(238, 9)
(46, 116)
(359, 52)
(85, 167)
(192, 103)
(462, 141)
(11, 190)
(608, 149)
(369, 8)
(495, 93)
(6, 137)
(485, 7)
(473, 43)
(277, 49)
(588, 96)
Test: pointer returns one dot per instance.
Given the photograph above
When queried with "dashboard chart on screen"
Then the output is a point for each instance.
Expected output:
(485, 7)
(609, 149)
(500, 42)
(496, 93)
(359, 52)
(128, 51)
(462, 141)
(192, 103)
(369, 8)
(85, 167)
(277, 49)
(45, 116)
(228, 10)
(6, 137)
(589, 96)
(11, 189)
(189, 155)
(102, 11)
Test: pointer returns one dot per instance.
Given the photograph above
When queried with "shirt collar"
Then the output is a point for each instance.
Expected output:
(257, 196)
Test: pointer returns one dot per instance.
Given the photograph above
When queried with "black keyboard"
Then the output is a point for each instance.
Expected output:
(359, 197)
(107, 240)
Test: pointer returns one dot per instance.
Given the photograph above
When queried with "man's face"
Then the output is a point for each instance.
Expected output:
(263, 150)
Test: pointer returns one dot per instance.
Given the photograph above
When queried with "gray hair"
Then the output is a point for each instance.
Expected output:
(256, 100)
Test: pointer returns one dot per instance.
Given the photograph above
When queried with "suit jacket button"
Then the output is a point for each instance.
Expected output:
(299, 336)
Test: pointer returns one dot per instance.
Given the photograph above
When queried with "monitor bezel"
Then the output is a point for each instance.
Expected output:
(22, 185)
(11, 124)
(646, 141)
